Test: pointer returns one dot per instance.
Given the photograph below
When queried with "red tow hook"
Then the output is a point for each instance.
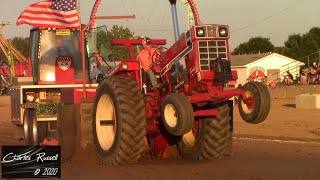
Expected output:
(50, 142)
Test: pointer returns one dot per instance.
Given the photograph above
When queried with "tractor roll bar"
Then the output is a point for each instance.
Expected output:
(129, 42)
(90, 25)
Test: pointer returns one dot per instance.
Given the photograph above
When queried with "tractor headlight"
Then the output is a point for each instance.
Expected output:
(223, 31)
(200, 32)
(124, 66)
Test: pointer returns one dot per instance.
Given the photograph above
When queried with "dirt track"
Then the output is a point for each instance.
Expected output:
(294, 153)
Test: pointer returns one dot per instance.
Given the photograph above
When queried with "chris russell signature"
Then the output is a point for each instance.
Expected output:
(41, 157)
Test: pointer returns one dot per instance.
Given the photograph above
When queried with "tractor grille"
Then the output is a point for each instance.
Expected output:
(211, 50)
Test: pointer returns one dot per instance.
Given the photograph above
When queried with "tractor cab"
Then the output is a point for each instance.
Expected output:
(56, 56)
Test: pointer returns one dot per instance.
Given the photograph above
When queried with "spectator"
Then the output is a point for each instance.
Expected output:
(315, 65)
(288, 79)
(312, 76)
(265, 80)
(304, 79)
(273, 83)
(318, 75)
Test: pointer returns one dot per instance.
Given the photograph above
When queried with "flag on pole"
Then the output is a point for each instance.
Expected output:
(51, 13)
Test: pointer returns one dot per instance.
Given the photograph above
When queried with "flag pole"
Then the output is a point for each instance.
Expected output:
(82, 36)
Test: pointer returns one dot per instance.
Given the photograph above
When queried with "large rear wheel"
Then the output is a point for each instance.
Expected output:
(209, 138)
(119, 121)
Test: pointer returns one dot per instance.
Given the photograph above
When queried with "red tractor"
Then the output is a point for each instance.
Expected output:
(190, 109)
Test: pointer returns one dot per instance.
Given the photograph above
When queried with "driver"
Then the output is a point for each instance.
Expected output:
(144, 57)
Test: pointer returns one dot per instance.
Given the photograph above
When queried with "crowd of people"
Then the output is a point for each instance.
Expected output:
(311, 75)
(308, 76)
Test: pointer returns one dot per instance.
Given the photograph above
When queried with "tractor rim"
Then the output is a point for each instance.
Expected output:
(34, 130)
(170, 115)
(189, 139)
(248, 108)
(105, 112)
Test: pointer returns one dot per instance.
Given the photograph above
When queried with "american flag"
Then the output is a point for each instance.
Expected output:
(51, 13)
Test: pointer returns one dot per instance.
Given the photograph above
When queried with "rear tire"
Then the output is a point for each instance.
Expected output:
(261, 103)
(209, 138)
(67, 131)
(39, 130)
(119, 124)
(177, 114)
(27, 127)
(34, 132)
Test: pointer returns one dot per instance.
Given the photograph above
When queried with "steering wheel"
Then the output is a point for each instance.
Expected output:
(157, 55)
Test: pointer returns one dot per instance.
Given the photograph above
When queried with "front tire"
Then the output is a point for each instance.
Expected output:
(119, 121)
(177, 114)
(260, 104)
(209, 138)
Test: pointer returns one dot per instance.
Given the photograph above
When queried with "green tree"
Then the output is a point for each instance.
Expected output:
(309, 44)
(255, 45)
(21, 44)
(293, 46)
(301, 46)
(315, 33)
(104, 42)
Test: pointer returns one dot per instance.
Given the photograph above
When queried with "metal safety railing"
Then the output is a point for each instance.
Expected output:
(297, 67)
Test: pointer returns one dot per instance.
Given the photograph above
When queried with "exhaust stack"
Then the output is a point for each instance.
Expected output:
(175, 19)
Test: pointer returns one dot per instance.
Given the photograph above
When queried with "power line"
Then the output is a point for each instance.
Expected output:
(263, 19)
(152, 30)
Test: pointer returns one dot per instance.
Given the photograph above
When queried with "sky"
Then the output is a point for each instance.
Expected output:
(275, 19)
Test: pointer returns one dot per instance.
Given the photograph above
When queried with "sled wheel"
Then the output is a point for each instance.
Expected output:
(34, 132)
(27, 126)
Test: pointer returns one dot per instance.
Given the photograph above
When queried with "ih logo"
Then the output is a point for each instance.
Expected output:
(64, 62)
